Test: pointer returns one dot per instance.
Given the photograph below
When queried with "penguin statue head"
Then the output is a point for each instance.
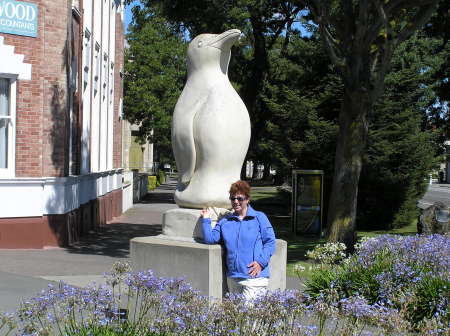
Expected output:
(211, 50)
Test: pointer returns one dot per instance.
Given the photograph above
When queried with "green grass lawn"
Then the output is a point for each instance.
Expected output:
(411, 229)
(277, 206)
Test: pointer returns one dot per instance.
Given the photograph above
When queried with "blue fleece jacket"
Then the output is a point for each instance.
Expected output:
(251, 239)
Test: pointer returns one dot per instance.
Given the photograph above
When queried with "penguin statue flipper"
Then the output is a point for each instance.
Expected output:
(183, 139)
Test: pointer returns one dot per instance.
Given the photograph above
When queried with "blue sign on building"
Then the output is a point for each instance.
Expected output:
(18, 18)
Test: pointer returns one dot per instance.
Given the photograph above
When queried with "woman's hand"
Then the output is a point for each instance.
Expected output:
(255, 269)
(205, 213)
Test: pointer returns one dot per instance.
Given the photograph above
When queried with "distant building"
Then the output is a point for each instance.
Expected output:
(61, 66)
(137, 156)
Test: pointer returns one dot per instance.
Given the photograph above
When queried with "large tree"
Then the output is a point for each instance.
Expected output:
(360, 37)
(402, 149)
(303, 97)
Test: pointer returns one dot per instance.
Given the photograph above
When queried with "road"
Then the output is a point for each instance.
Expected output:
(436, 193)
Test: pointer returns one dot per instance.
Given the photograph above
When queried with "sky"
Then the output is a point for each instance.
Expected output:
(128, 17)
(128, 14)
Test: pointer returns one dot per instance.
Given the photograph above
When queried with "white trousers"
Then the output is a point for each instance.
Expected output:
(249, 288)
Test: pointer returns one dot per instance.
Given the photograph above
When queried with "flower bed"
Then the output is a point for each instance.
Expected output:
(157, 306)
(381, 290)
(409, 274)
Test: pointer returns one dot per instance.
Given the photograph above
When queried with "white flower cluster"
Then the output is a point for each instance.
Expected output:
(299, 268)
(329, 253)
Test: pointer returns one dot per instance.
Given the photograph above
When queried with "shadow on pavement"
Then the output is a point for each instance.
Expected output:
(160, 197)
(113, 240)
(171, 185)
(162, 194)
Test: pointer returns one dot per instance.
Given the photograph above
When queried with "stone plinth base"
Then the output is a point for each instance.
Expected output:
(201, 265)
(182, 222)
(277, 266)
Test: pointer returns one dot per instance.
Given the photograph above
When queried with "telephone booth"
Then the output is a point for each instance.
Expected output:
(307, 201)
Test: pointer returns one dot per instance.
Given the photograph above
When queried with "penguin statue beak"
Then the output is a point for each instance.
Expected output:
(225, 40)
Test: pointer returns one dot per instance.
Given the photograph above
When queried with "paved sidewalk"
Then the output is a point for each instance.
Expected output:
(24, 273)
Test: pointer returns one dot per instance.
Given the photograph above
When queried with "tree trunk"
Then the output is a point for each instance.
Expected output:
(266, 172)
(255, 170)
(350, 148)
(244, 171)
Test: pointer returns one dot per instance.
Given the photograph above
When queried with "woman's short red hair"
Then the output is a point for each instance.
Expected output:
(240, 187)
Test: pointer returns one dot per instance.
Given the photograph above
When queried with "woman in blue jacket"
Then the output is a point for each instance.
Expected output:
(249, 240)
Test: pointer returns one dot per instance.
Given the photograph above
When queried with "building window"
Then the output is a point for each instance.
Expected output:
(5, 118)
(105, 74)
(7, 127)
(111, 84)
(97, 68)
(74, 73)
(120, 108)
(87, 56)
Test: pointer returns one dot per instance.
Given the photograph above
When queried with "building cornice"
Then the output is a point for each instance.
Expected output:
(54, 195)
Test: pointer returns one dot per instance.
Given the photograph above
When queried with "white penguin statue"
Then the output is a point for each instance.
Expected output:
(211, 125)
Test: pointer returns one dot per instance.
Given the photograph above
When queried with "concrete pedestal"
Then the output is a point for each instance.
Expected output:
(201, 265)
(178, 252)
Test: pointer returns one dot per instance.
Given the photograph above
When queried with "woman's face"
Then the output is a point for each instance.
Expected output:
(239, 203)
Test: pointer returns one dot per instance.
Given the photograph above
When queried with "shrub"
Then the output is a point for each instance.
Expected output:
(161, 177)
(152, 183)
(410, 274)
